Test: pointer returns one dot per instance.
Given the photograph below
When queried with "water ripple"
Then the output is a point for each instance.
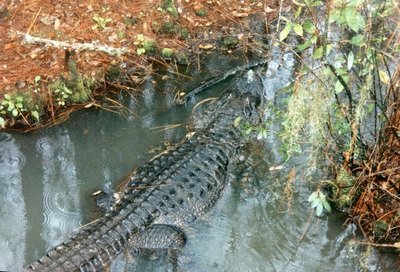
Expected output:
(61, 213)
(16, 160)
(57, 202)
(45, 146)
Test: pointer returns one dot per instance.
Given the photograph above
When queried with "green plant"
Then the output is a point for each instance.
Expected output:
(12, 105)
(248, 129)
(319, 202)
(144, 45)
(75, 87)
(340, 87)
(101, 22)
(62, 95)
(344, 84)
(169, 6)
(16, 106)
(167, 52)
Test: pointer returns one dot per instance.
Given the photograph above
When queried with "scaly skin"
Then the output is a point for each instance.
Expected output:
(179, 185)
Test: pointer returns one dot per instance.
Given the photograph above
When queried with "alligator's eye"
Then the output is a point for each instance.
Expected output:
(155, 212)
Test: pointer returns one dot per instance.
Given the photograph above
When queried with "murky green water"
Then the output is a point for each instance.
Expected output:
(47, 177)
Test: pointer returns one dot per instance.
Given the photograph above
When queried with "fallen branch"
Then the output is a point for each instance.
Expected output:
(92, 46)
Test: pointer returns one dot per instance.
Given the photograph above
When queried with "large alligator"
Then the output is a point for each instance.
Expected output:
(171, 190)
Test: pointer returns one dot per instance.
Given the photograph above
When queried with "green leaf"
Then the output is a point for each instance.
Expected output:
(316, 3)
(298, 3)
(140, 37)
(318, 53)
(237, 121)
(350, 60)
(297, 13)
(307, 44)
(354, 19)
(308, 26)
(338, 87)
(327, 206)
(283, 18)
(2, 122)
(285, 32)
(334, 16)
(320, 209)
(355, 3)
(329, 49)
(312, 197)
(37, 79)
(10, 105)
(315, 203)
(35, 114)
(15, 112)
(298, 29)
(7, 96)
(383, 76)
(140, 51)
(265, 135)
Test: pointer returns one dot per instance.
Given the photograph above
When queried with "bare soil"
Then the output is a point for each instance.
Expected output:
(40, 37)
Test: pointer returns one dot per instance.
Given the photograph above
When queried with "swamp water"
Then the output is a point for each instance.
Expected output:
(47, 178)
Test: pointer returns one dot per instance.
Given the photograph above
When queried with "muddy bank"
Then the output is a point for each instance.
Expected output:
(60, 57)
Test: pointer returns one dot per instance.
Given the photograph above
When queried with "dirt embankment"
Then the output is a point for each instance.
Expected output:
(56, 57)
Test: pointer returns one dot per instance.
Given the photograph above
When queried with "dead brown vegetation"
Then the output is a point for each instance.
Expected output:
(377, 209)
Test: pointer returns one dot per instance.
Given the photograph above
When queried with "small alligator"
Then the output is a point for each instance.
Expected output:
(171, 190)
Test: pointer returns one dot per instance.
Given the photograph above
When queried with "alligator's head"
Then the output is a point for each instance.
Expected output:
(243, 100)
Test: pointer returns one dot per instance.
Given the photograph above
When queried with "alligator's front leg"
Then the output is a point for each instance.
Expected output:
(158, 238)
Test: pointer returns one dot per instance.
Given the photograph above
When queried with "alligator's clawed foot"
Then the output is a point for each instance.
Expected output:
(156, 241)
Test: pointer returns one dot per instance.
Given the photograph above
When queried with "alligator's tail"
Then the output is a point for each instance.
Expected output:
(94, 246)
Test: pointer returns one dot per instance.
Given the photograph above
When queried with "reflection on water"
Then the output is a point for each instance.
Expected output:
(47, 178)
(12, 205)
(61, 207)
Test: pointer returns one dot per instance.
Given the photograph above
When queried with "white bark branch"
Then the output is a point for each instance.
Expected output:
(93, 46)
